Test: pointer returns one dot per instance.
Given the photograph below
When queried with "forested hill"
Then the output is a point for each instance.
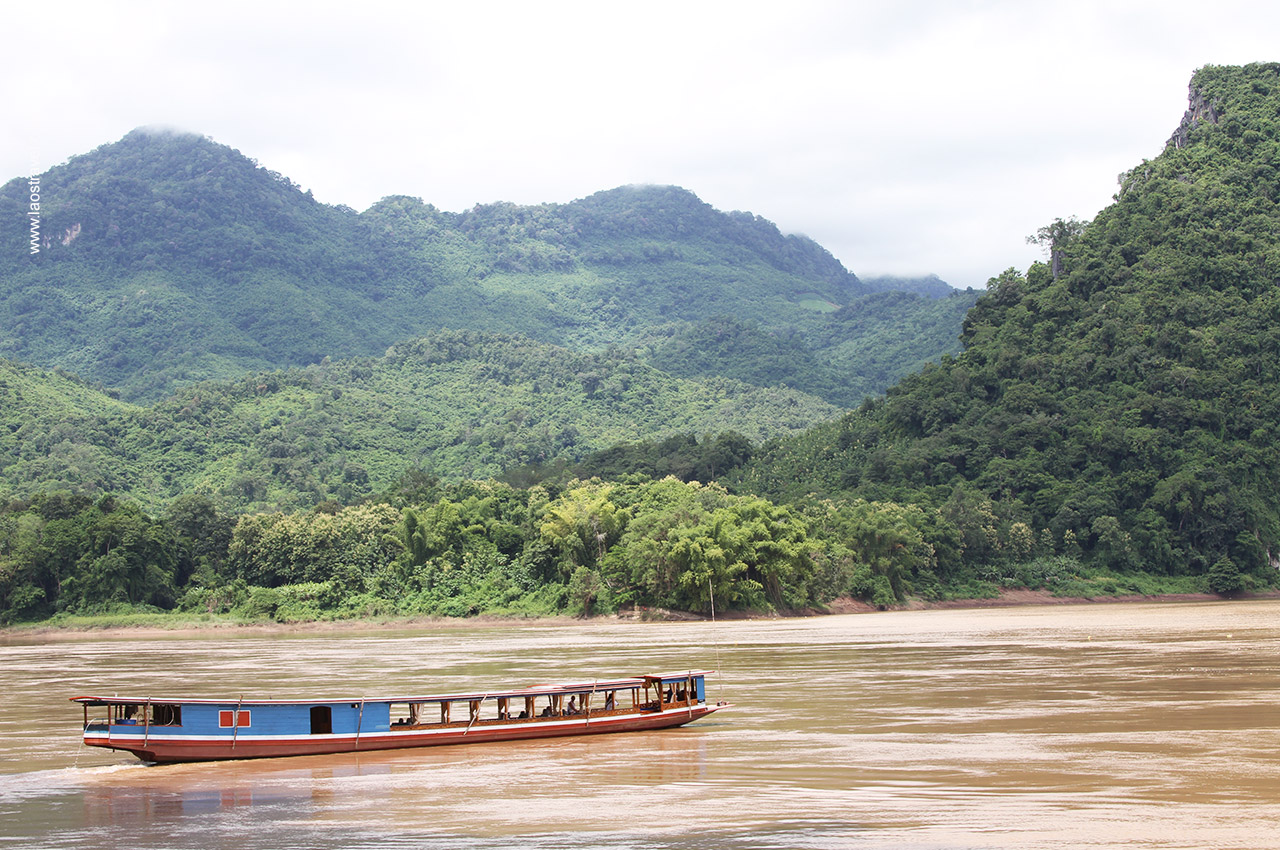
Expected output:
(168, 259)
(458, 404)
(1122, 402)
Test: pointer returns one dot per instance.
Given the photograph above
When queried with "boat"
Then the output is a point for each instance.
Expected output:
(164, 730)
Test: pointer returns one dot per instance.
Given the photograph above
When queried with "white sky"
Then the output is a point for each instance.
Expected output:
(905, 137)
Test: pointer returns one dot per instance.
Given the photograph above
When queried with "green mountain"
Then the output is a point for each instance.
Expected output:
(1120, 404)
(167, 259)
(458, 404)
(852, 353)
(930, 286)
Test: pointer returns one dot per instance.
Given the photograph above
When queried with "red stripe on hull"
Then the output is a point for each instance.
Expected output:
(162, 749)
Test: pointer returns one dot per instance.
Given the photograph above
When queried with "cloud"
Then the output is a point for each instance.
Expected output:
(905, 137)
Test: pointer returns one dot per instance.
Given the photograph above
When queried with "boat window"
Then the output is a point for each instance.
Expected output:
(321, 720)
(407, 713)
(142, 714)
(164, 714)
(127, 713)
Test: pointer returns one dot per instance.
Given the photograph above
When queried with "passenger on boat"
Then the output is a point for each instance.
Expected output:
(608, 702)
(573, 706)
(546, 712)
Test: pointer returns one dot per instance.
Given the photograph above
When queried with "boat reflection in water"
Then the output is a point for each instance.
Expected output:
(410, 798)
(167, 730)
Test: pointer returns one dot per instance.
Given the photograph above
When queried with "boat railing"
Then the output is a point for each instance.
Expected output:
(406, 724)
(485, 712)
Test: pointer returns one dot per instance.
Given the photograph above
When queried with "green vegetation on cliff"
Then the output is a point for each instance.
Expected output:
(1124, 409)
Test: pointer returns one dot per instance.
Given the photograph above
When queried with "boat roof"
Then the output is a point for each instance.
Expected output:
(595, 685)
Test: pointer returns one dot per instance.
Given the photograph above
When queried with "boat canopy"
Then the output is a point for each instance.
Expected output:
(648, 679)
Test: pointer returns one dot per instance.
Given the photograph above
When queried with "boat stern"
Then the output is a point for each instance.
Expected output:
(97, 733)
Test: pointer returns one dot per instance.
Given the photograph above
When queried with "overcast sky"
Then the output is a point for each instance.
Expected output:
(905, 137)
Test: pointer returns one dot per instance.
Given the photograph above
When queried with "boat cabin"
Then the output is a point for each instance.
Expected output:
(187, 729)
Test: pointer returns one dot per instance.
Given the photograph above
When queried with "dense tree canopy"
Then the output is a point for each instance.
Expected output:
(457, 404)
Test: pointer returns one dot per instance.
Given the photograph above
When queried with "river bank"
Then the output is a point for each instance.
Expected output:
(177, 625)
(1009, 598)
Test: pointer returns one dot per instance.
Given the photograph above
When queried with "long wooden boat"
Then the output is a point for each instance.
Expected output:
(176, 730)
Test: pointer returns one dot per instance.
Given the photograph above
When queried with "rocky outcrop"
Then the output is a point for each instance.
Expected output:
(1199, 109)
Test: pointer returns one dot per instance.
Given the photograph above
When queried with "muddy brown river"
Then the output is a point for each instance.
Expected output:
(1108, 726)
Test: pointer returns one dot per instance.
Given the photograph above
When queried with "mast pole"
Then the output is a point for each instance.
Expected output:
(359, 723)
(235, 722)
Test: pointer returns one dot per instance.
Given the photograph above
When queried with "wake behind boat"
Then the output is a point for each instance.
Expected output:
(176, 730)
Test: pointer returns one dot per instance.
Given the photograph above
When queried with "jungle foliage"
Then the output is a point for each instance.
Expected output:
(457, 549)
(458, 404)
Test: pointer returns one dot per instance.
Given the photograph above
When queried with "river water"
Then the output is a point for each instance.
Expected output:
(1116, 726)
